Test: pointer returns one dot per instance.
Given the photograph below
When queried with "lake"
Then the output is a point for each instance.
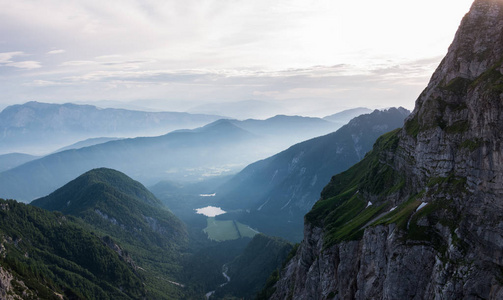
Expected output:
(210, 211)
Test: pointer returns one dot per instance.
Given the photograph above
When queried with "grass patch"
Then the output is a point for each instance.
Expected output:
(458, 127)
(450, 183)
(353, 229)
(343, 210)
(472, 144)
(492, 77)
(401, 215)
(324, 207)
(227, 230)
(458, 85)
(412, 126)
(245, 230)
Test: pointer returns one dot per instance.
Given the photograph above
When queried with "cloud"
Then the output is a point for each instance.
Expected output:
(44, 83)
(59, 51)
(78, 63)
(323, 52)
(28, 64)
(6, 59)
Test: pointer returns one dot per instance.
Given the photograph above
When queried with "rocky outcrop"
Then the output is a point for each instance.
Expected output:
(124, 255)
(421, 216)
(6, 289)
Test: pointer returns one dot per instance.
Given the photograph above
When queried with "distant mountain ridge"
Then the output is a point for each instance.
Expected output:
(12, 160)
(345, 116)
(219, 148)
(38, 126)
(291, 129)
(177, 155)
(275, 193)
(87, 143)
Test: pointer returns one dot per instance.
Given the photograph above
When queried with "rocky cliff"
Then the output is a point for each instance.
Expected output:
(421, 217)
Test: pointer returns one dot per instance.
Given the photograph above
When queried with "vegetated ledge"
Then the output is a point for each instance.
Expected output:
(344, 208)
(362, 196)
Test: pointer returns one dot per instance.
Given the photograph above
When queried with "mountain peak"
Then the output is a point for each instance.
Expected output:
(461, 104)
(115, 203)
(478, 43)
(477, 48)
(420, 216)
(88, 189)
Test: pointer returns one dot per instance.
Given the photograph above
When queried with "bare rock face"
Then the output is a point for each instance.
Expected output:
(435, 229)
(12, 289)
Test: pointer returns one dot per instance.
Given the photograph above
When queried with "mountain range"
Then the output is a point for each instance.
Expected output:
(393, 205)
(343, 117)
(219, 148)
(12, 160)
(273, 195)
(39, 128)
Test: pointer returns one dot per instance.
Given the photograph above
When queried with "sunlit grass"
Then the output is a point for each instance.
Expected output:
(227, 230)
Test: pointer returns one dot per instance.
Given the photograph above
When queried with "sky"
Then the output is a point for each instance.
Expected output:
(252, 58)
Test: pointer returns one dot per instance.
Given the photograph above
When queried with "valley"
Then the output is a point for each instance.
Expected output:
(140, 227)
(388, 203)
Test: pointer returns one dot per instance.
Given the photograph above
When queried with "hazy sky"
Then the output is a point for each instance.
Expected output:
(306, 57)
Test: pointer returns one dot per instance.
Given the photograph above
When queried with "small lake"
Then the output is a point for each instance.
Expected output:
(210, 211)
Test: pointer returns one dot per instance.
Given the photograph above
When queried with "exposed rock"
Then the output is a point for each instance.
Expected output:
(124, 255)
(449, 155)
(7, 290)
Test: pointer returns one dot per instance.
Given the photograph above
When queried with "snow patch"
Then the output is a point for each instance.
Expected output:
(287, 203)
(421, 206)
(369, 204)
(208, 195)
(393, 209)
(263, 204)
(274, 176)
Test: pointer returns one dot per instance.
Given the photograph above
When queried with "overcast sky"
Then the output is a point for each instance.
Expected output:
(306, 57)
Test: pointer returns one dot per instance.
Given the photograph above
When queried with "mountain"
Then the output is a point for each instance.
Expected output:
(45, 255)
(109, 199)
(274, 194)
(87, 143)
(420, 216)
(343, 117)
(283, 131)
(216, 148)
(220, 148)
(249, 271)
(240, 109)
(12, 160)
(113, 205)
(36, 127)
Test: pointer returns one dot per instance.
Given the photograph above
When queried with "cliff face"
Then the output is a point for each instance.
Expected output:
(421, 217)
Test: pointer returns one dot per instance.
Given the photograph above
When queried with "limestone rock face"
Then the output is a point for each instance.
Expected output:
(438, 233)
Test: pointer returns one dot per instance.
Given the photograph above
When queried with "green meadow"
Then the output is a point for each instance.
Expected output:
(227, 230)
